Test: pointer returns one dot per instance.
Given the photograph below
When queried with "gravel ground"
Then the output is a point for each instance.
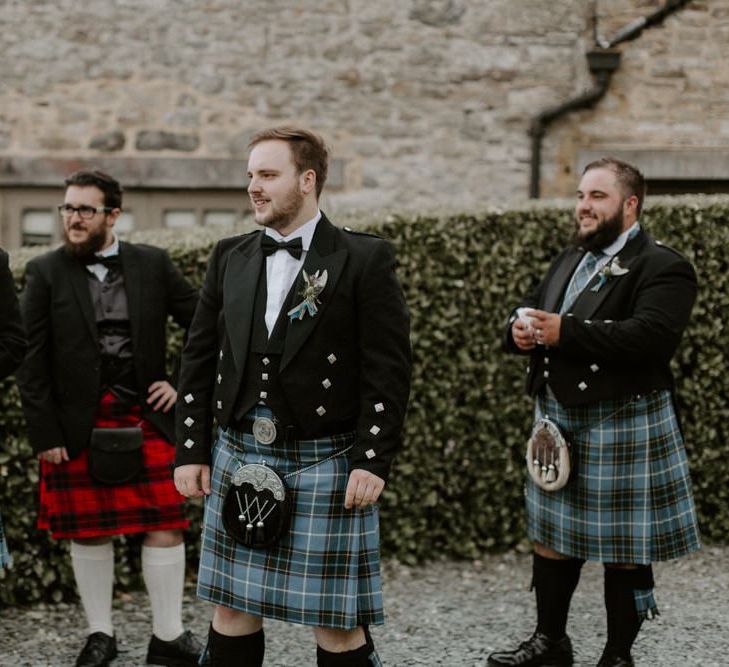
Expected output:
(447, 613)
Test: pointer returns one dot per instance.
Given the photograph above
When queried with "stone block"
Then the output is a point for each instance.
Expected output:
(108, 142)
(159, 140)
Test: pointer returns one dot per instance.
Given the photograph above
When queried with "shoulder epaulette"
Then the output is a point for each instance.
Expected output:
(361, 233)
(660, 244)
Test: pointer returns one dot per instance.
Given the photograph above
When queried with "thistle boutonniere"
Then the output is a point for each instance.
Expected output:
(314, 283)
(610, 270)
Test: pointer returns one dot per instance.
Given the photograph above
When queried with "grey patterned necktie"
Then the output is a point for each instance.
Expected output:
(579, 280)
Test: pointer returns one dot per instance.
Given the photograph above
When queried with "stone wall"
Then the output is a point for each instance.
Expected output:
(428, 102)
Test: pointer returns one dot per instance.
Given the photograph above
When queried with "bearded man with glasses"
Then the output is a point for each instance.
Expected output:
(99, 409)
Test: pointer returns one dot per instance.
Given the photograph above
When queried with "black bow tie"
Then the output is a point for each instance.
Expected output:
(111, 262)
(270, 246)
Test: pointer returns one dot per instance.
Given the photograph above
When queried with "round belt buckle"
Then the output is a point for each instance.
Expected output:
(264, 430)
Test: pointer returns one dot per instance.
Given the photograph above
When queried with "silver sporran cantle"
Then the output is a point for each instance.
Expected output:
(547, 456)
(257, 506)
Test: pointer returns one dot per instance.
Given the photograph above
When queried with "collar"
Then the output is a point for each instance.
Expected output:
(619, 243)
(305, 232)
(112, 250)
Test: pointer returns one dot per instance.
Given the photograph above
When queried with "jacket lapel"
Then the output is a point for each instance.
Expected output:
(322, 255)
(558, 283)
(589, 301)
(80, 284)
(132, 272)
(239, 294)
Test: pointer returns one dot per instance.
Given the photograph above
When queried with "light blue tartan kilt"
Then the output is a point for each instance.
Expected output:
(325, 571)
(629, 497)
(5, 559)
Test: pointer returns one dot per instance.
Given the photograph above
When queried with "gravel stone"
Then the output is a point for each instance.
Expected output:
(444, 613)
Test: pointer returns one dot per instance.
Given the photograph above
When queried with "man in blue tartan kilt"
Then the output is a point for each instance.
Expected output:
(600, 330)
(12, 348)
(299, 351)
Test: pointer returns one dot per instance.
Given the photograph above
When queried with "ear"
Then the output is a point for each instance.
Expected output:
(307, 181)
(630, 206)
(112, 217)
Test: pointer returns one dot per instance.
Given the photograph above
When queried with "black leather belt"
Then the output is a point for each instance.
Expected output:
(284, 434)
(288, 434)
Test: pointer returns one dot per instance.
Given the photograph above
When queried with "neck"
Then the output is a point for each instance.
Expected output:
(307, 212)
(109, 241)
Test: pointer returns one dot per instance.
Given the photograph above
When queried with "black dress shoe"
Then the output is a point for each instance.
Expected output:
(615, 661)
(181, 652)
(99, 651)
(538, 651)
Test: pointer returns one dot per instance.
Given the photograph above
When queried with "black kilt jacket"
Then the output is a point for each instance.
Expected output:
(12, 336)
(358, 340)
(618, 340)
(60, 379)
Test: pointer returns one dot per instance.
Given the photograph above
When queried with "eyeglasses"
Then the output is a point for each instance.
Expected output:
(84, 212)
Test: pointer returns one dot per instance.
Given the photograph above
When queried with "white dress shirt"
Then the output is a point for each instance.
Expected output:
(99, 270)
(282, 268)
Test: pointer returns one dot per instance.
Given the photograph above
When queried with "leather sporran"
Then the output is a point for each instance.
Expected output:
(115, 454)
(257, 506)
(548, 456)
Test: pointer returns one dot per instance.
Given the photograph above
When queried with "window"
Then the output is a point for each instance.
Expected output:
(37, 226)
(175, 218)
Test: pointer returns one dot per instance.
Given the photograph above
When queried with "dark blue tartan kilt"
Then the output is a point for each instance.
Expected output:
(325, 571)
(5, 559)
(629, 498)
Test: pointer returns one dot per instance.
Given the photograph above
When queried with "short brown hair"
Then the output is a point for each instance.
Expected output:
(308, 149)
(629, 177)
(109, 186)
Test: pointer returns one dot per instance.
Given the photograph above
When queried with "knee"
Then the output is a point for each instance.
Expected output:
(335, 640)
(232, 622)
(548, 552)
(163, 538)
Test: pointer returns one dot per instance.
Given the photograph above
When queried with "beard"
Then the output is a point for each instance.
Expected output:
(84, 250)
(606, 232)
(282, 214)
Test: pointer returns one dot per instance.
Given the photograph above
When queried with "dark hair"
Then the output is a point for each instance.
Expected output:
(631, 181)
(308, 149)
(109, 186)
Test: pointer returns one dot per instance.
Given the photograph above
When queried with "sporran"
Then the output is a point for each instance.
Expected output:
(257, 507)
(548, 456)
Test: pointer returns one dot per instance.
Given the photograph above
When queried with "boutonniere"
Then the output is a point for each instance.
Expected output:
(314, 283)
(610, 270)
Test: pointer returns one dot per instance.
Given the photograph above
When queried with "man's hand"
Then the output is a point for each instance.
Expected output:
(162, 394)
(193, 480)
(55, 455)
(363, 488)
(546, 327)
(523, 335)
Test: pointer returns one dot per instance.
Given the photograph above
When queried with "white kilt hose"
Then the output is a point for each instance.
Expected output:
(325, 571)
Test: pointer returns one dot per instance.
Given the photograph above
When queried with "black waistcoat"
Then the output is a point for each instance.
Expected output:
(261, 378)
(111, 311)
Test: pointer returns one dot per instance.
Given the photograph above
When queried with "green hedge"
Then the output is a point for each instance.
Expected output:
(456, 489)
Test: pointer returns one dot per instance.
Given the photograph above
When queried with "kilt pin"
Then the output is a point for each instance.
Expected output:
(330, 381)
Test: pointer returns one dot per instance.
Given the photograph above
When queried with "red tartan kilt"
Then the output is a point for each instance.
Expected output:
(72, 505)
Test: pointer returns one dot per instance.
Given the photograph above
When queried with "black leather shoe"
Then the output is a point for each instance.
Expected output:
(181, 652)
(615, 661)
(99, 651)
(538, 651)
